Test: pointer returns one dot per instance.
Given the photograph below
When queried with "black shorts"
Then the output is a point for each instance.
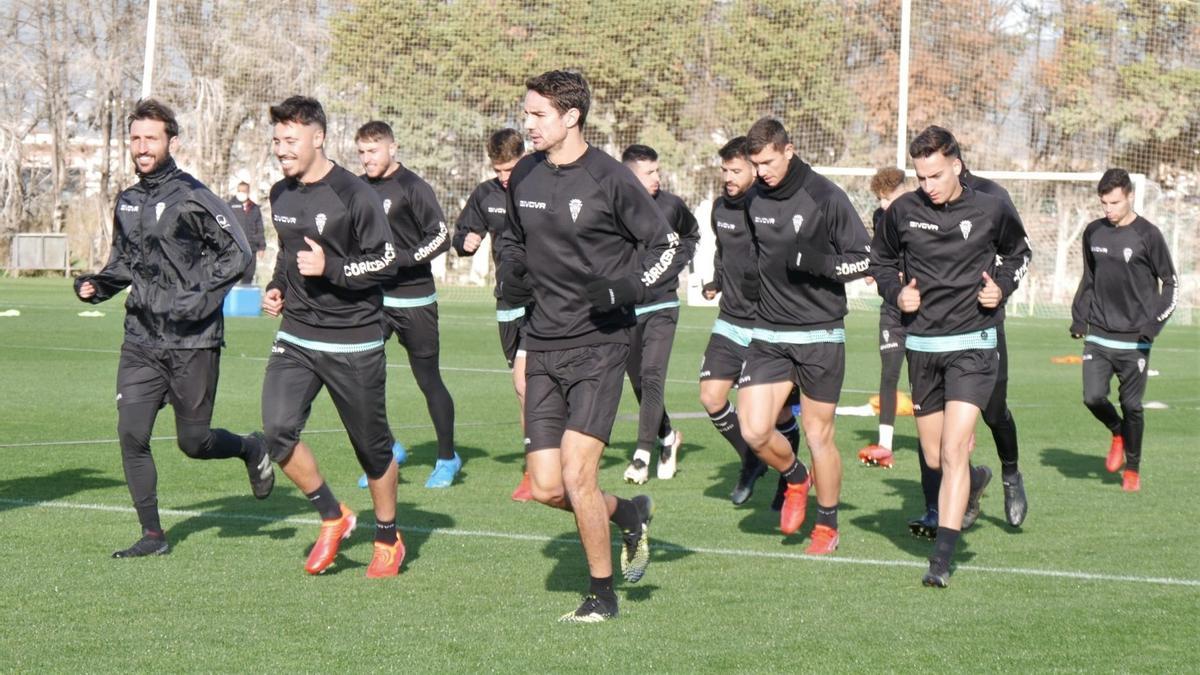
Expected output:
(936, 377)
(510, 332)
(1130, 366)
(726, 352)
(577, 389)
(415, 327)
(818, 368)
(356, 383)
(185, 378)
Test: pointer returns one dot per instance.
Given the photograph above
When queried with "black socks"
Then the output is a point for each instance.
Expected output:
(326, 504)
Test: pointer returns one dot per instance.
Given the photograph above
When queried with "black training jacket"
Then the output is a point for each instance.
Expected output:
(249, 216)
(810, 210)
(179, 249)
(418, 231)
(888, 313)
(683, 224)
(484, 214)
(735, 255)
(947, 249)
(570, 224)
(345, 217)
(1119, 295)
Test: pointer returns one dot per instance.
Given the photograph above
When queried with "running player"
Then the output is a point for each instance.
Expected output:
(810, 243)
(1127, 293)
(410, 307)
(726, 350)
(948, 256)
(180, 249)
(484, 214)
(996, 416)
(887, 185)
(657, 316)
(334, 250)
(575, 220)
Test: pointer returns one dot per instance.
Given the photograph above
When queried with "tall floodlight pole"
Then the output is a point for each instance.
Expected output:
(902, 102)
(148, 62)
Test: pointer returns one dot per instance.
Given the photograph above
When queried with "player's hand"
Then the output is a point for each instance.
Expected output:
(990, 295)
(515, 288)
(85, 291)
(608, 294)
(1077, 336)
(869, 280)
(471, 243)
(910, 298)
(312, 262)
(710, 290)
(752, 286)
(261, 254)
(272, 302)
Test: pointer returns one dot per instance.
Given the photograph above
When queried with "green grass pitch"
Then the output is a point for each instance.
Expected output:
(1095, 580)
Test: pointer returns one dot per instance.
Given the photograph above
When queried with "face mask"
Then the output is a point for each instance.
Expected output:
(242, 196)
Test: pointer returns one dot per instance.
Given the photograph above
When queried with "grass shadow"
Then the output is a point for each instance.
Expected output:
(20, 492)
(1078, 465)
(570, 571)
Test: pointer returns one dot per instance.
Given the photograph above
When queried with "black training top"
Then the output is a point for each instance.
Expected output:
(418, 231)
(181, 249)
(684, 224)
(345, 217)
(573, 223)
(735, 255)
(806, 214)
(484, 214)
(1119, 295)
(947, 249)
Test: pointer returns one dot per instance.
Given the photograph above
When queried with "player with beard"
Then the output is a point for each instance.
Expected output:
(410, 307)
(657, 317)
(179, 249)
(726, 351)
(1127, 293)
(483, 215)
(948, 256)
(576, 219)
(335, 249)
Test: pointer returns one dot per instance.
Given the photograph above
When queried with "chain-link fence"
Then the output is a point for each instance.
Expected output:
(1064, 86)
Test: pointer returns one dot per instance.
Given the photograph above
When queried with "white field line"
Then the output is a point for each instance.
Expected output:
(729, 552)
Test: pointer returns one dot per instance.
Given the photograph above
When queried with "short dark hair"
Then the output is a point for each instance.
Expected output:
(154, 109)
(566, 89)
(736, 148)
(375, 130)
(300, 110)
(639, 153)
(886, 180)
(1113, 179)
(934, 139)
(505, 145)
(766, 131)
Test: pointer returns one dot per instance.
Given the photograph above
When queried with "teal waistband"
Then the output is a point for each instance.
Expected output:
(740, 336)
(409, 302)
(984, 339)
(331, 347)
(638, 311)
(800, 337)
(1116, 344)
(506, 315)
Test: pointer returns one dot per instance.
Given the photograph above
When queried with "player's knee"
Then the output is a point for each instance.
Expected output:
(1094, 400)
(281, 438)
(194, 441)
(1131, 409)
(553, 495)
(712, 401)
(756, 436)
(134, 438)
